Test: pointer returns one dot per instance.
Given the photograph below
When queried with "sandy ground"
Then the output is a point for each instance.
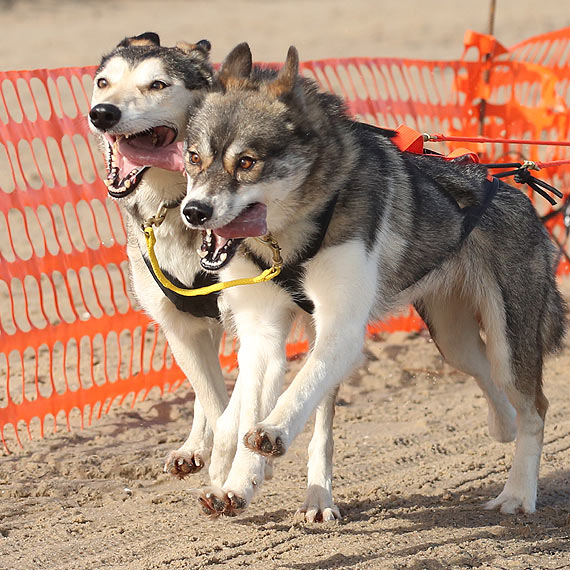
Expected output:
(413, 466)
(413, 461)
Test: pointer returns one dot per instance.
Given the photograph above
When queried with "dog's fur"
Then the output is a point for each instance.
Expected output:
(274, 148)
(127, 73)
(124, 81)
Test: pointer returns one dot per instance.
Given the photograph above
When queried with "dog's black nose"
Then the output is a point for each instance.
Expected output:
(104, 116)
(197, 212)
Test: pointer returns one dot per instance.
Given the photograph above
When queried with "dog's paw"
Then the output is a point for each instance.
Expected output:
(511, 503)
(216, 502)
(318, 506)
(265, 442)
(212, 501)
(182, 462)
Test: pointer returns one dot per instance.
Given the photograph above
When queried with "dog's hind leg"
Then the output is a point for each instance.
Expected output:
(319, 504)
(519, 493)
(456, 333)
(516, 364)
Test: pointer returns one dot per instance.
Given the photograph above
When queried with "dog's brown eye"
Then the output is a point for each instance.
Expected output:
(246, 162)
(158, 85)
(194, 157)
(102, 83)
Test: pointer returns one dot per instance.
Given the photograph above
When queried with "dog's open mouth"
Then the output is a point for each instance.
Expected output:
(129, 156)
(220, 245)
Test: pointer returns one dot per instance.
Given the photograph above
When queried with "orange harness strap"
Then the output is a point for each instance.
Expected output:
(410, 140)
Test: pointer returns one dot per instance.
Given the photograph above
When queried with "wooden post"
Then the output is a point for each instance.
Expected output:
(486, 74)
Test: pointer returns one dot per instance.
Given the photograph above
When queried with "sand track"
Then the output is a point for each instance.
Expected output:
(413, 466)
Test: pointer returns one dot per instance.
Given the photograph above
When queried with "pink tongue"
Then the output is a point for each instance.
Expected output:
(250, 223)
(168, 157)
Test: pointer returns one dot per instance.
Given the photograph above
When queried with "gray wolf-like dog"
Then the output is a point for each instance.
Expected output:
(142, 92)
(364, 229)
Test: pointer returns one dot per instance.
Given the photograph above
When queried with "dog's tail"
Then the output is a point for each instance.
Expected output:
(555, 315)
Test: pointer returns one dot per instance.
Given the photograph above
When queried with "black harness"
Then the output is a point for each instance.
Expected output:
(473, 214)
(292, 273)
(200, 306)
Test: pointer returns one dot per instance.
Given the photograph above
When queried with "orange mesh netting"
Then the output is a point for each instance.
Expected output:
(73, 342)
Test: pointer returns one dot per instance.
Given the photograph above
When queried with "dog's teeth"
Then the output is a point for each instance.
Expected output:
(154, 139)
(223, 256)
(127, 183)
(202, 253)
(108, 182)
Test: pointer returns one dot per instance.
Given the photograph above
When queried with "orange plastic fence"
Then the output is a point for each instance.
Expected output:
(72, 341)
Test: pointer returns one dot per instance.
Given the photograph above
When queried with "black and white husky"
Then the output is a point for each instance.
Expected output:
(364, 228)
(142, 92)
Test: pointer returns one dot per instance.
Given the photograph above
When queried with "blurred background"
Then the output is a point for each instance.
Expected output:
(46, 33)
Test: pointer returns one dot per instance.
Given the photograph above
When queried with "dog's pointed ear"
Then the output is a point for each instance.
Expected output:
(287, 76)
(146, 39)
(237, 66)
(203, 45)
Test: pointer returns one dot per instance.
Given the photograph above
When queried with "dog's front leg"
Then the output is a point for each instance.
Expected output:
(225, 439)
(262, 364)
(341, 281)
(192, 455)
(263, 316)
(198, 358)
